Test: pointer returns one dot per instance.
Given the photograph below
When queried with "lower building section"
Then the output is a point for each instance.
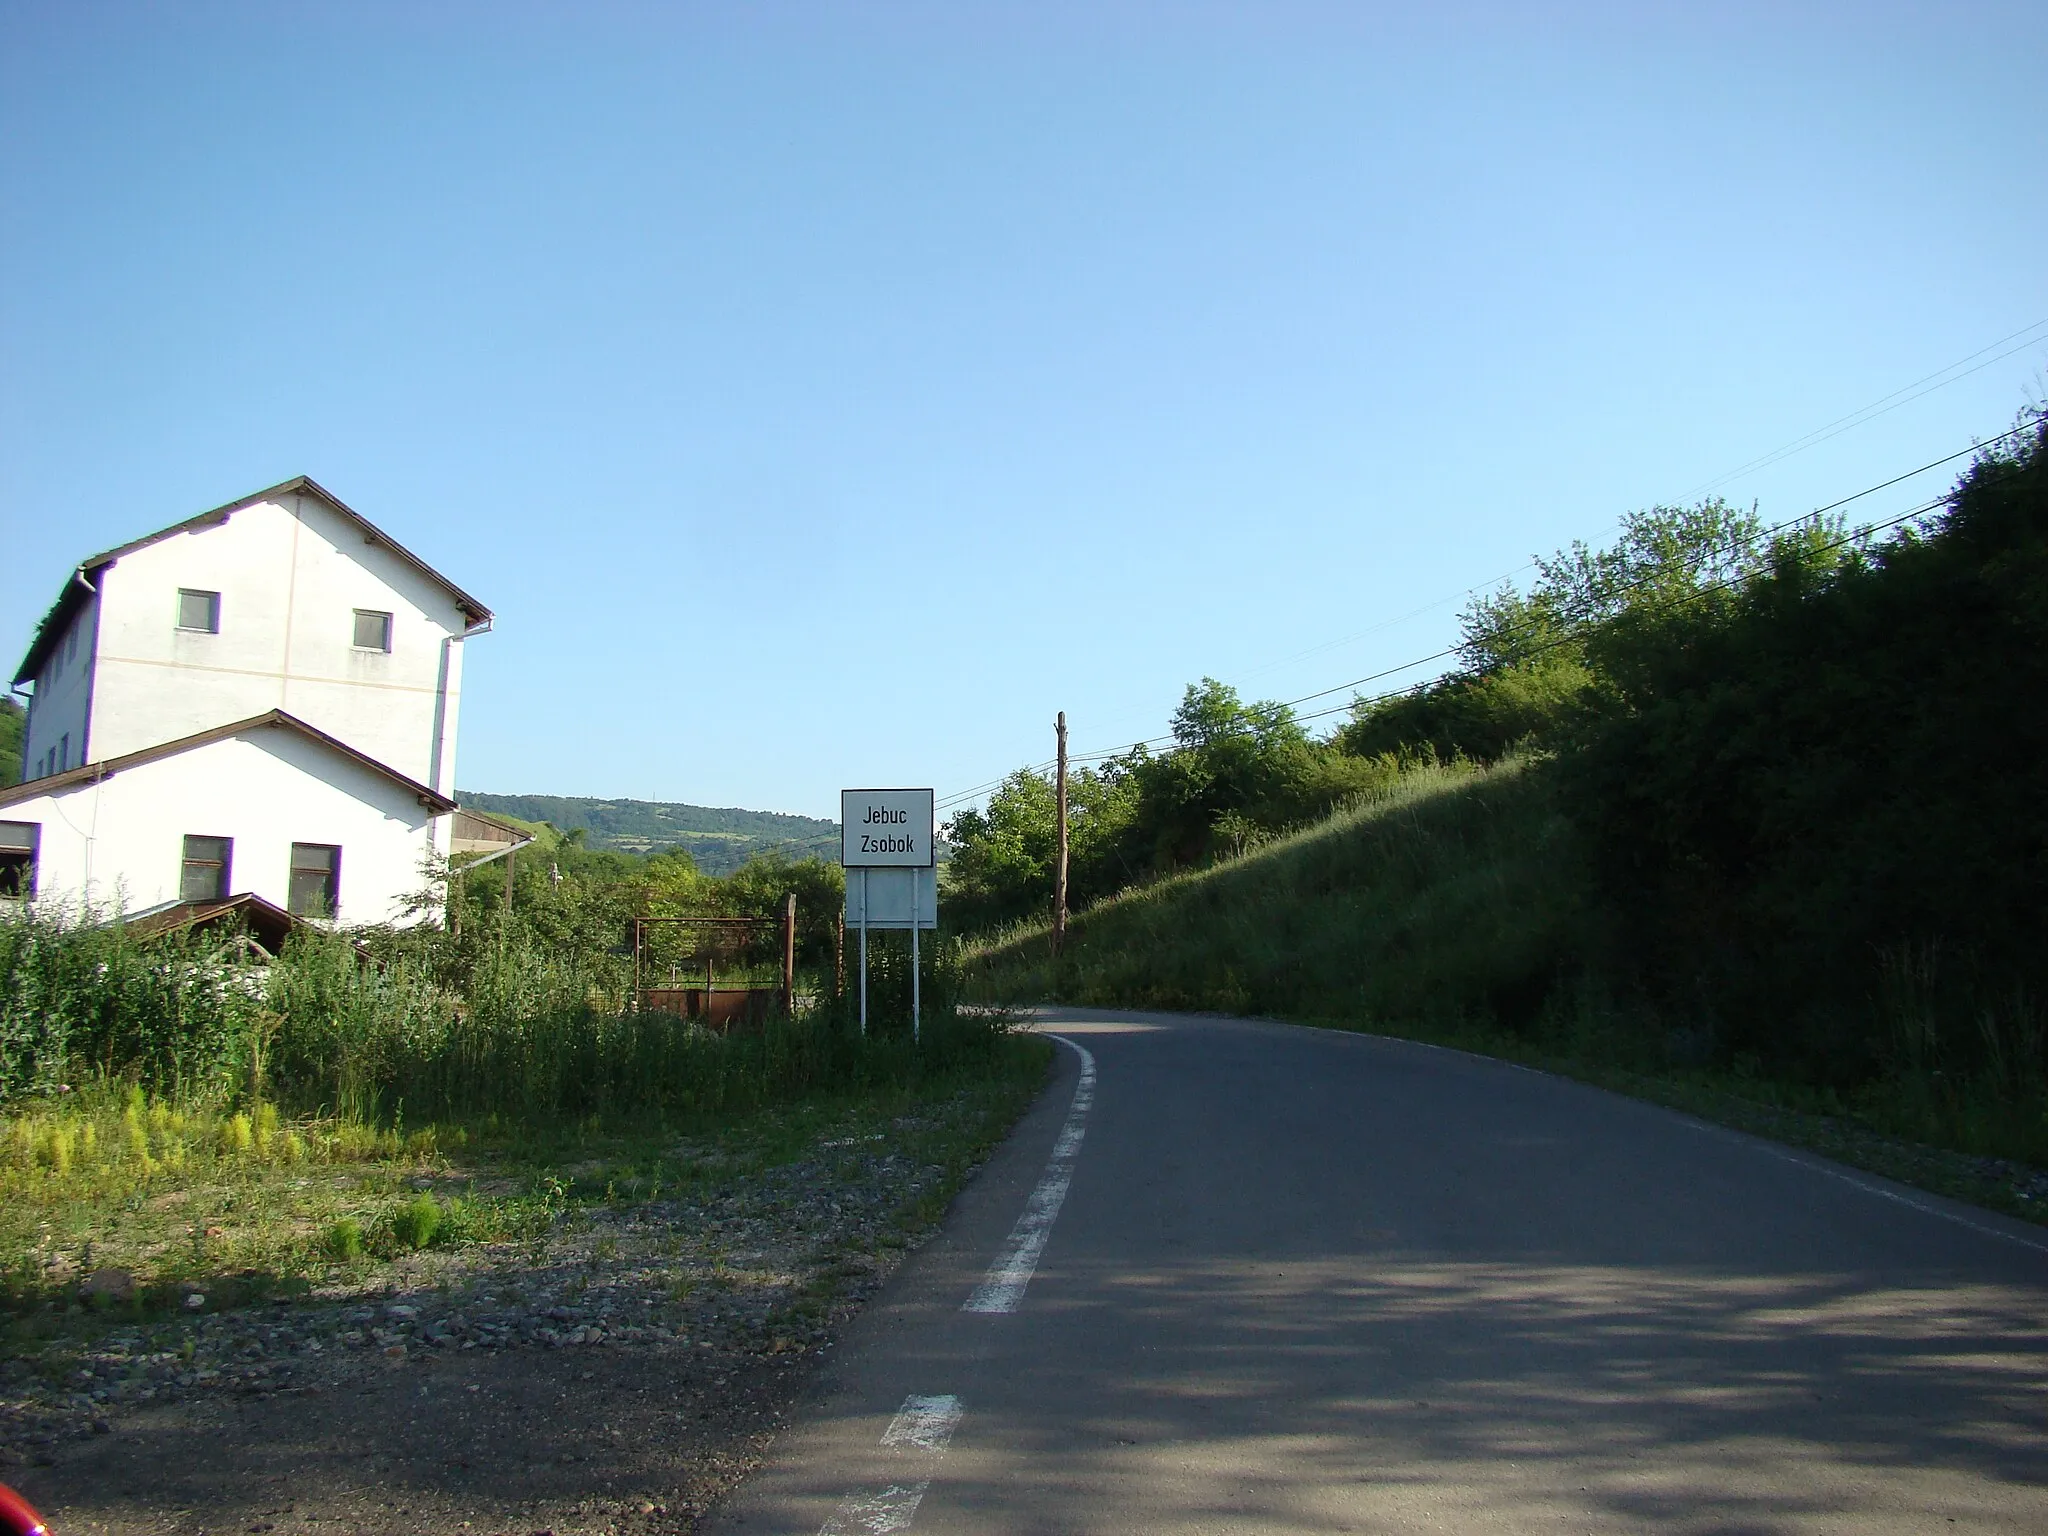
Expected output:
(268, 807)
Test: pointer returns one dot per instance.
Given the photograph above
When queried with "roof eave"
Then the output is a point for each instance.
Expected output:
(89, 773)
(50, 629)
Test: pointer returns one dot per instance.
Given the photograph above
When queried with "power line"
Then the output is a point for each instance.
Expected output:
(1580, 632)
(1726, 548)
(1585, 627)
(1882, 406)
(1764, 533)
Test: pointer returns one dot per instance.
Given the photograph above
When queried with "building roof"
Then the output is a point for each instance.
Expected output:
(92, 773)
(72, 598)
(474, 832)
(268, 924)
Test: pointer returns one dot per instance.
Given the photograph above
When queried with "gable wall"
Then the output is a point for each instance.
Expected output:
(290, 574)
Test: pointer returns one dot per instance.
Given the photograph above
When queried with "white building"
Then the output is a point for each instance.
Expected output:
(217, 703)
(269, 806)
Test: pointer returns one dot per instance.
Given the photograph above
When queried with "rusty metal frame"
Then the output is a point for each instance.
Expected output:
(787, 923)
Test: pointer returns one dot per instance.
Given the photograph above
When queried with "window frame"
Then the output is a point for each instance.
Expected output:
(212, 625)
(224, 866)
(388, 625)
(30, 855)
(330, 877)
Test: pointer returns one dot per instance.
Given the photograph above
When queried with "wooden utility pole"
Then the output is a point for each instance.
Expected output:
(1059, 865)
(789, 955)
(505, 917)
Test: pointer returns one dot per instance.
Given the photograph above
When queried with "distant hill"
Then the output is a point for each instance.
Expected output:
(720, 840)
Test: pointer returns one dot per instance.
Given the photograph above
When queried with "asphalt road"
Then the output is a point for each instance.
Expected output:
(1307, 1281)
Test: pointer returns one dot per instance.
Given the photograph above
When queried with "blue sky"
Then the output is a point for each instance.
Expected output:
(827, 394)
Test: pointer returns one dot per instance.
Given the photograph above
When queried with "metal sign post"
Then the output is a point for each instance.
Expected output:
(888, 835)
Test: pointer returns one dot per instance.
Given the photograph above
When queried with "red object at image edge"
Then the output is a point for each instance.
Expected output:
(16, 1517)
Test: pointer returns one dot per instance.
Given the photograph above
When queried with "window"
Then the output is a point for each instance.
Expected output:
(205, 875)
(18, 840)
(199, 611)
(373, 630)
(316, 879)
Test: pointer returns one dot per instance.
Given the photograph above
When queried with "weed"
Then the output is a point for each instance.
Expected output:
(416, 1223)
(344, 1241)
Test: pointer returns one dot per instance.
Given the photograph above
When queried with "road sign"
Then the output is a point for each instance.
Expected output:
(886, 828)
(892, 876)
(892, 898)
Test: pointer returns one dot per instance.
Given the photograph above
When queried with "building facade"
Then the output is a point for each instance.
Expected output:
(328, 654)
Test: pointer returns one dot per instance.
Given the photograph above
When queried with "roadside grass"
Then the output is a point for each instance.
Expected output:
(116, 1208)
(1454, 908)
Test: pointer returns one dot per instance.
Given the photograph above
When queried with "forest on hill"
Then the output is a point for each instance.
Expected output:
(1772, 800)
(718, 839)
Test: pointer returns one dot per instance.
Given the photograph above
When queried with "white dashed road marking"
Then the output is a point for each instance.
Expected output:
(890, 1510)
(926, 1423)
(1003, 1288)
(922, 1424)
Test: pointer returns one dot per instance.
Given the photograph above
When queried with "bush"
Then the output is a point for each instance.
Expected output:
(1842, 762)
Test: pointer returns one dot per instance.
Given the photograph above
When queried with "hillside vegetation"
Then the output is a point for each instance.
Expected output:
(718, 840)
(1453, 891)
(13, 724)
(1767, 803)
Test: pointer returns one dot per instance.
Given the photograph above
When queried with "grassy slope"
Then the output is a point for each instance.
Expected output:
(1454, 909)
(1453, 897)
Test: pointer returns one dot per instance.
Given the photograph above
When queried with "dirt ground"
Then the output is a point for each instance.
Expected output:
(612, 1438)
(619, 1374)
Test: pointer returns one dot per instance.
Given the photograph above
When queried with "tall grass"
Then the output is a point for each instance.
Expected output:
(80, 997)
(411, 1029)
(172, 1113)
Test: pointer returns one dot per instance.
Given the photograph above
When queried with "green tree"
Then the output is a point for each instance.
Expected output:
(1236, 766)
(1001, 867)
(1237, 771)
(13, 725)
(1537, 663)
(759, 887)
(1838, 758)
